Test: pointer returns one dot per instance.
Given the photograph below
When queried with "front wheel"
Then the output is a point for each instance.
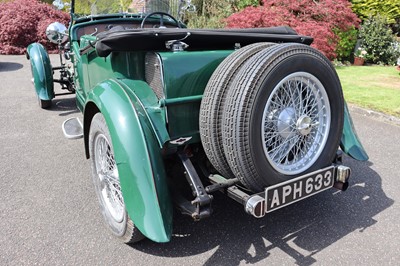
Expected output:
(106, 182)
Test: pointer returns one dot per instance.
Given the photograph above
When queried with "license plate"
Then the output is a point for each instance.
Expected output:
(291, 191)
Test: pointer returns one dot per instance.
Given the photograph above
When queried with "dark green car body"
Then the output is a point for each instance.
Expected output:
(144, 126)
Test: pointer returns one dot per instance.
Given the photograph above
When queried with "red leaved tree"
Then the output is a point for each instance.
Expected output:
(23, 22)
(315, 18)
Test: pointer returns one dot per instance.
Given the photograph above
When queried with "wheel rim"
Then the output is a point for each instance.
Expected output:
(107, 179)
(295, 124)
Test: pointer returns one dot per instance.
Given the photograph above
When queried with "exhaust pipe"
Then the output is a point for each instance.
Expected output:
(341, 186)
(255, 206)
(342, 177)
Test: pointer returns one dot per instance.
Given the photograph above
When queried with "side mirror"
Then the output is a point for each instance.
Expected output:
(57, 33)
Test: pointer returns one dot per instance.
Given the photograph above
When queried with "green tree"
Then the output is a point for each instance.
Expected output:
(87, 7)
(212, 13)
(390, 9)
(241, 4)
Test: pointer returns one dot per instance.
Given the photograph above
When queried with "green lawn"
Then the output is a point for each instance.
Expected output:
(373, 87)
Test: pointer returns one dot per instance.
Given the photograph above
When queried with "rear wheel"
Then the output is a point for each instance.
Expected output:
(106, 182)
(44, 104)
(283, 116)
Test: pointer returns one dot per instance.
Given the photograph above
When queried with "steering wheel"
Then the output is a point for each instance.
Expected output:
(162, 15)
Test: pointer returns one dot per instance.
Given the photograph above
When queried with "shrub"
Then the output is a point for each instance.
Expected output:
(23, 22)
(346, 42)
(315, 18)
(379, 42)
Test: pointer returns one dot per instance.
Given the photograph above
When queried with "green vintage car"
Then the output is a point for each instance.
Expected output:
(172, 115)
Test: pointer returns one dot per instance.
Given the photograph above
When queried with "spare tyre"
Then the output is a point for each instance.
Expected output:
(283, 116)
(210, 120)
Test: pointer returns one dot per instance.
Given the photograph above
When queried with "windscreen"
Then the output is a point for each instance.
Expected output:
(83, 8)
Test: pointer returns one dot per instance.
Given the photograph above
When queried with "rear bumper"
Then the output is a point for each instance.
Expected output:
(256, 204)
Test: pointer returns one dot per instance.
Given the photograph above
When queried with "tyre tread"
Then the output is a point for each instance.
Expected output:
(211, 110)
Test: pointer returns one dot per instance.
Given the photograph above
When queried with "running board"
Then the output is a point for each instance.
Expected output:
(72, 128)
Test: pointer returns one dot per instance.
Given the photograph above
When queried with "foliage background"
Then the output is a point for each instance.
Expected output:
(322, 20)
(379, 42)
(102, 6)
(23, 22)
(332, 23)
(389, 9)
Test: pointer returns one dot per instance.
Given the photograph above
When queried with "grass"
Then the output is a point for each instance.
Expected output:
(373, 87)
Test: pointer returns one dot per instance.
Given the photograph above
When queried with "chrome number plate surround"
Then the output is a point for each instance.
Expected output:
(291, 191)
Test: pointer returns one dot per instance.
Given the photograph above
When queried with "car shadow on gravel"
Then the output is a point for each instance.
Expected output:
(65, 105)
(10, 66)
(300, 230)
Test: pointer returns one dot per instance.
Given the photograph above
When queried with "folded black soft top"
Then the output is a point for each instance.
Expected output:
(120, 39)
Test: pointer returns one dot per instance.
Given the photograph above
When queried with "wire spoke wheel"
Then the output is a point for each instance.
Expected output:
(108, 178)
(106, 181)
(295, 123)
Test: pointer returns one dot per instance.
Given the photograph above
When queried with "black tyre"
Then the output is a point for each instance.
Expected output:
(212, 105)
(106, 181)
(44, 104)
(283, 116)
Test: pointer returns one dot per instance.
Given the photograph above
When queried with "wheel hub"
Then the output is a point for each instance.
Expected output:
(304, 125)
(288, 127)
(286, 122)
